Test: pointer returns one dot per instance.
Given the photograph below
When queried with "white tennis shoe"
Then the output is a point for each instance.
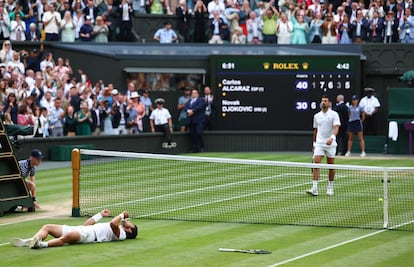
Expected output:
(34, 243)
(330, 191)
(313, 192)
(20, 242)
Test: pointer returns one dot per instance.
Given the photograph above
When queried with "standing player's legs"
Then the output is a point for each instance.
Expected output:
(318, 154)
(330, 159)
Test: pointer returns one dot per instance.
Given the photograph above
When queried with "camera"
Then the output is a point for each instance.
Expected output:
(24, 54)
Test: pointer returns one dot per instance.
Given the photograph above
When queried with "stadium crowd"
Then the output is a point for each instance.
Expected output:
(229, 21)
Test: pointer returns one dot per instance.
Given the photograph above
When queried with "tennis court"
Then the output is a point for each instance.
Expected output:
(185, 229)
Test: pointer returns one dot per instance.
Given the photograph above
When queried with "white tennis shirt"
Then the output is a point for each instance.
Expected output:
(325, 122)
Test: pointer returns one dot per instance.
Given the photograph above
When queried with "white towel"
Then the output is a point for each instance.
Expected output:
(393, 130)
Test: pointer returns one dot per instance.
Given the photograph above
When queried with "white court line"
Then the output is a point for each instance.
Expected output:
(338, 245)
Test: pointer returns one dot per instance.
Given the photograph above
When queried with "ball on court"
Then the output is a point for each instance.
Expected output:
(380, 199)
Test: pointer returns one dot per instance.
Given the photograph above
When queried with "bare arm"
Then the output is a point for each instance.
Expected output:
(115, 222)
(94, 219)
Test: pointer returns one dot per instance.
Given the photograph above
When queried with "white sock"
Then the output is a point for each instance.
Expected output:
(315, 184)
(330, 184)
(43, 244)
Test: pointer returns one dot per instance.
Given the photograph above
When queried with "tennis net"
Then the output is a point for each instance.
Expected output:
(173, 187)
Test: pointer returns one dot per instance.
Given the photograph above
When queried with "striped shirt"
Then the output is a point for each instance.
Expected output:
(26, 169)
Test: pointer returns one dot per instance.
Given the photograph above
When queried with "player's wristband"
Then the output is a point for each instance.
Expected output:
(122, 216)
(333, 137)
(314, 144)
(97, 217)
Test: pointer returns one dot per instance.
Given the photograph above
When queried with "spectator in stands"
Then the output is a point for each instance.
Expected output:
(166, 35)
(356, 117)
(216, 33)
(16, 64)
(244, 15)
(136, 111)
(231, 14)
(352, 11)
(156, 7)
(18, 29)
(28, 169)
(86, 31)
(41, 122)
(63, 7)
(4, 24)
(105, 116)
(183, 20)
(390, 28)
(407, 27)
(161, 121)
(195, 109)
(146, 101)
(376, 28)
(51, 22)
(344, 31)
(78, 20)
(370, 105)
(125, 13)
(375, 5)
(68, 28)
(25, 116)
(90, 10)
(269, 17)
(238, 37)
(6, 53)
(300, 29)
(69, 122)
(84, 120)
(182, 117)
(33, 35)
(56, 118)
(11, 106)
(360, 28)
(315, 30)
(329, 35)
(111, 18)
(254, 29)
(100, 30)
(215, 6)
(199, 25)
(284, 29)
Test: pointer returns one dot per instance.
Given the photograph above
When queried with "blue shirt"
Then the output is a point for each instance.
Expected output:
(26, 169)
(166, 36)
(354, 113)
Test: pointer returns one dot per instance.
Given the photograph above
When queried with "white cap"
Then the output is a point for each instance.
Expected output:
(134, 95)
(114, 92)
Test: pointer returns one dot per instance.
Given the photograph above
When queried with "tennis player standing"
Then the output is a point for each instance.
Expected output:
(326, 125)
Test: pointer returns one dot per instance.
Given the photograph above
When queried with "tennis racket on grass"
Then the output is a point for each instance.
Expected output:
(248, 251)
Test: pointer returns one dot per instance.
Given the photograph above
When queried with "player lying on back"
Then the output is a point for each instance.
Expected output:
(90, 232)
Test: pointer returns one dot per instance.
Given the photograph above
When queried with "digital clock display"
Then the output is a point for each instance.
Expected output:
(279, 92)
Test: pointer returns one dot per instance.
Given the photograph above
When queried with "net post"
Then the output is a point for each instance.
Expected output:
(75, 182)
(385, 198)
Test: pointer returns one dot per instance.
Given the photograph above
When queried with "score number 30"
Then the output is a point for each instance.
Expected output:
(303, 105)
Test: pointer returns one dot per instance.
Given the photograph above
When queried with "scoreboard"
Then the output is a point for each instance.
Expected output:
(279, 92)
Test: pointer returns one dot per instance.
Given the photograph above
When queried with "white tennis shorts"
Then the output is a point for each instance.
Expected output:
(328, 151)
(87, 234)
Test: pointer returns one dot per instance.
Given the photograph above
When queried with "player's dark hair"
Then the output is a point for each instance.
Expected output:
(325, 96)
(133, 234)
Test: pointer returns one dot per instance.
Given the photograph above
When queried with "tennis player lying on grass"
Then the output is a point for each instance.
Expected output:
(90, 232)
